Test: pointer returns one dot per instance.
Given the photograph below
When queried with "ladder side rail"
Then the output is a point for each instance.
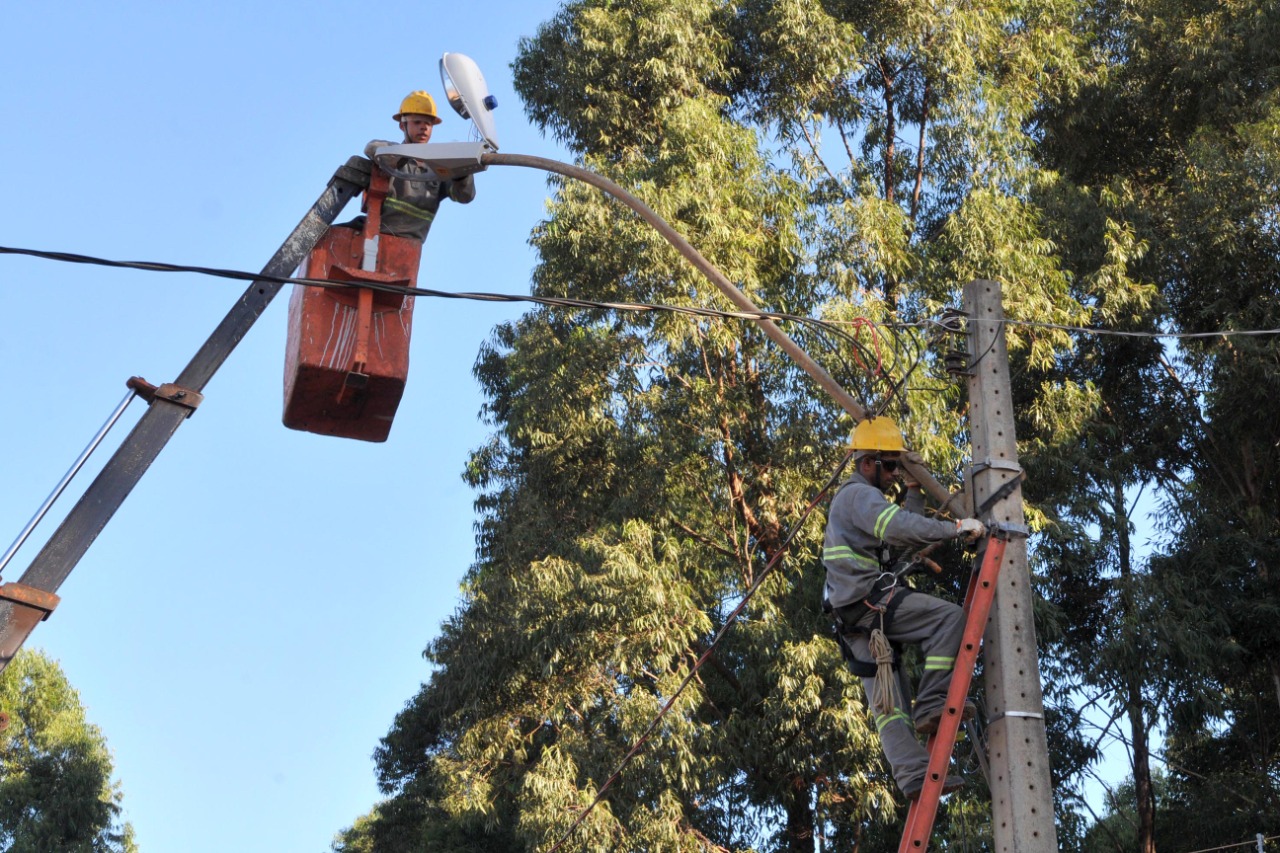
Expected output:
(125, 468)
(922, 813)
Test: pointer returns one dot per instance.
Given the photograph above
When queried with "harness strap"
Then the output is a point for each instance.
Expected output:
(895, 601)
(868, 669)
(860, 668)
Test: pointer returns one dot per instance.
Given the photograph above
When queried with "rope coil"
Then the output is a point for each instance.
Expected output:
(886, 693)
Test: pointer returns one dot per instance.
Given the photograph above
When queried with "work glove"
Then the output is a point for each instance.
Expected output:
(374, 145)
(970, 529)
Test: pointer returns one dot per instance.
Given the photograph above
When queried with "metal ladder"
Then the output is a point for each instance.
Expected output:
(977, 607)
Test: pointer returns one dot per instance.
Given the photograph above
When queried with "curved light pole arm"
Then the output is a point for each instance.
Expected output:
(736, 296)
(728, 288)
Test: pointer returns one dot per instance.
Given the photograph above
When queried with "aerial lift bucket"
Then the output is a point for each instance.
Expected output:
(347, 354)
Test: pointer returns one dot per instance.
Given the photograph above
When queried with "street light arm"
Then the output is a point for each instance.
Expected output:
(735, 295)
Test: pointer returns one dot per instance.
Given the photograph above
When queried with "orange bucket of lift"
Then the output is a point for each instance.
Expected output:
(347, 353)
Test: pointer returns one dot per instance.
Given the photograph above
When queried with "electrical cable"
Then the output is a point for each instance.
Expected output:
(1122, 334)
(1237, 844)
(706, 655)
(995, 336)
(864, 376)
(827, 325)
(561, 302)
(897, 388)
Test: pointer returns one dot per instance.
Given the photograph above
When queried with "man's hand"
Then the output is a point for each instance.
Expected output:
(970, 529)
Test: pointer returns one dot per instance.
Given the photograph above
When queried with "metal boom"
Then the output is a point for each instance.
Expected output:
(32, 598)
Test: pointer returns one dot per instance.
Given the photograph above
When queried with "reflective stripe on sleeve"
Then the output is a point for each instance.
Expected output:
(883, 520)
(844, 552)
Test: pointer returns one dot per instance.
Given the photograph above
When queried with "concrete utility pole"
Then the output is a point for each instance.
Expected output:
(1017, 749)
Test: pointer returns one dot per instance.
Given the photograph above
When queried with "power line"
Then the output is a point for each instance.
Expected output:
(868, 358)
(824, 326)
(1237, 844)
(1087, 330)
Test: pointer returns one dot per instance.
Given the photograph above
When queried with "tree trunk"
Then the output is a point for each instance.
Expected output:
(1139, 733)
(800, 834)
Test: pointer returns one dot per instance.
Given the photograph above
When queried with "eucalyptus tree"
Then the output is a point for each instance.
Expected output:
(56, 791)
(1181, 126)
(855, 162)
(1220, 253)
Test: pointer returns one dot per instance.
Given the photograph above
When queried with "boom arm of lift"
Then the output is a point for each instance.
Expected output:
(25, 603)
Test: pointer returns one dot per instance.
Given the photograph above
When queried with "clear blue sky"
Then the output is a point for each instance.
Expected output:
(248, 625)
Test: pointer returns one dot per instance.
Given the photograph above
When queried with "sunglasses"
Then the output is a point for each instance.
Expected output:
(889, 465)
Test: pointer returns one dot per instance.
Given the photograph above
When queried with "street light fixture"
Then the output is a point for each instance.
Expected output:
(468, 94)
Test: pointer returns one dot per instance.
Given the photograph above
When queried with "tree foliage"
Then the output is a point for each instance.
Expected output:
(56, 793)
(1175, 135)
(1109, 163)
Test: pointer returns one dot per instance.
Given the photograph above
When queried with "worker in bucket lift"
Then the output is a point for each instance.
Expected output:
(876, 612)
(411, 205)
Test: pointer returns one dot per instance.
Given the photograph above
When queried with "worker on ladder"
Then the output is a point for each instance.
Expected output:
(411, 204)
(875, 612)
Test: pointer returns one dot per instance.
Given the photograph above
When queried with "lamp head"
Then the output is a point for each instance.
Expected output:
(465, 88)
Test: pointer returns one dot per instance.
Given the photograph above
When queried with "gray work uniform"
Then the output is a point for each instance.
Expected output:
(411, 205)
(861, 528)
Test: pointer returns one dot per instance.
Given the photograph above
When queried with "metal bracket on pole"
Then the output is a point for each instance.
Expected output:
(996, 464)
(168, 392)
(1006, 489)
(1025, 715)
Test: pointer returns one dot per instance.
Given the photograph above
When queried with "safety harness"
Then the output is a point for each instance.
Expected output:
(885, 601)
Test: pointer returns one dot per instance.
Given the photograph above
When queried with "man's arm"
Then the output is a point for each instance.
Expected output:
(898, 526)
(969, 528)
(374, 145)
(462, 190)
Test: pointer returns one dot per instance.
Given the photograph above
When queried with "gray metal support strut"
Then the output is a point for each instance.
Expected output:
(131, 460)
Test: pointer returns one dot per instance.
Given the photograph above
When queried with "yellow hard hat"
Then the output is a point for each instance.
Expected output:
(877, 434)
(418, 103)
